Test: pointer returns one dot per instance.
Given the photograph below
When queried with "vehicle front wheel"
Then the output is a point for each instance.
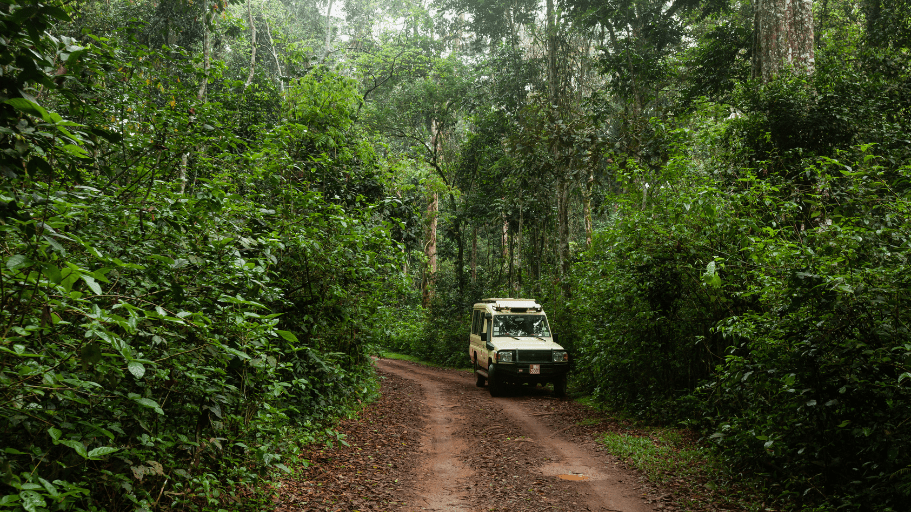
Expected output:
(560, 387)
(494, 383)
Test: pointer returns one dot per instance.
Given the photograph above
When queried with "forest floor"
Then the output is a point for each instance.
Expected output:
(436, 442)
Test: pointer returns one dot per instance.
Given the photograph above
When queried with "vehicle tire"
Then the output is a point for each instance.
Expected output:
(494, 384)
(560, 387)
(480, 380)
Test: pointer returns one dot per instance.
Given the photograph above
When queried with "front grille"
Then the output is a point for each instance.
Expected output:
(535, 356)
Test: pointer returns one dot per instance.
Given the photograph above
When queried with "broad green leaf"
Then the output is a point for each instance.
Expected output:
(70, 276)
(76, 445)
(52, 272)
(56, 12)
(75, 150)
(711, 277)
(55, 433)
(236, 352)
(89, 280)
(289, 336)
(49, 487)
(151, 404)
(9, 500)
(101, 451)
(31, 500)
(137, 369)
(17, 261)
(28, 107)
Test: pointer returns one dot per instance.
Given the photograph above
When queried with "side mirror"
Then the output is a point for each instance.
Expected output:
(483, 336)
(487, 315)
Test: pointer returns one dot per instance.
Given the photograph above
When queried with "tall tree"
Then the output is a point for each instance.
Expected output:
(782, 37)
(252, 43)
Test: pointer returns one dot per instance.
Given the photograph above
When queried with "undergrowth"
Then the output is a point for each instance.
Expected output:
(699, 477)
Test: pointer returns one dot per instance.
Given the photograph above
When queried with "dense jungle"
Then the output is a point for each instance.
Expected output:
(214, 212)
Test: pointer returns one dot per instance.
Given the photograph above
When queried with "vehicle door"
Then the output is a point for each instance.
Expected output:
(483, 338)
(475, 345)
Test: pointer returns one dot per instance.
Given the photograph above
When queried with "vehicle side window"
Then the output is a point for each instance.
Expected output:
(475, 315)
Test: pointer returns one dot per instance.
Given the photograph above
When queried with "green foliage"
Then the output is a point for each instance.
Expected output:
(648, 297)
(403, 328)
(789, 320)
(437, 334)
(119, 343)
(657, 455)
(166, 342)
(821, 359)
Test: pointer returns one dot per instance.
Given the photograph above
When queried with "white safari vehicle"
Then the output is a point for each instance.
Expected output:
(511, 343)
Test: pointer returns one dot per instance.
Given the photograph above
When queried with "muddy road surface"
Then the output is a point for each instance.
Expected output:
(483, 453)
(436, 442)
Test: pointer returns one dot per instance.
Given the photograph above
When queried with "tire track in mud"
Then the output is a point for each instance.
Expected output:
(442, 475)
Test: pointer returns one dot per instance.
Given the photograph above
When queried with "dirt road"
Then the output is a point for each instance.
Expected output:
(436, 442)
(483, 453)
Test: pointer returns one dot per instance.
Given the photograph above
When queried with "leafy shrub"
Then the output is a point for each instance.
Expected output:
(646, 302)
(781, 331)
(811, 388)
(164, 341)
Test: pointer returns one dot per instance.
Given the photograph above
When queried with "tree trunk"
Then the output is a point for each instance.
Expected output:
(460, 245)
(460, 258)
(278, 66)
(504, 241)
(430, 250)
(551, 29)
(587, 207)
(512, 260)
(203, 88)
(782, 38)
(563, 253)
(474, 255)
(519, 251)
(252, 44)
(328, 32)
(206, 64)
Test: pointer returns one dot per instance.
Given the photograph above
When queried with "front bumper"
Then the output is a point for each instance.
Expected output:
(519, 372)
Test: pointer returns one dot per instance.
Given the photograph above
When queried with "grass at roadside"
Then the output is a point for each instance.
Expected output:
(405, 357)
(662, 455)
(677, 460)
(674, 459)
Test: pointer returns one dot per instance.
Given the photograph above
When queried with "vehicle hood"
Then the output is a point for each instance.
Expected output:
(525, 343)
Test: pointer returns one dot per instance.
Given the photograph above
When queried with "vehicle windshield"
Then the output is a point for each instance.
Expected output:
(520, 325)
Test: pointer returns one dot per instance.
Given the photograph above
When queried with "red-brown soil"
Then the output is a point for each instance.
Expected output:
(435, 441)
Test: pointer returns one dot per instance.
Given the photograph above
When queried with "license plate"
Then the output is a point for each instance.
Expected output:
(534, 369)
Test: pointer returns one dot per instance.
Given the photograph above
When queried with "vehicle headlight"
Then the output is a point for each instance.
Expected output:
(560, 356)
(504, 356)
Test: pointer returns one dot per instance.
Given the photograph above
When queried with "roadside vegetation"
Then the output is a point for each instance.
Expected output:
(213, 211)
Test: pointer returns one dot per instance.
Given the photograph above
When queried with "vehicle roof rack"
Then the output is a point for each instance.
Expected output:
(518, 305)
